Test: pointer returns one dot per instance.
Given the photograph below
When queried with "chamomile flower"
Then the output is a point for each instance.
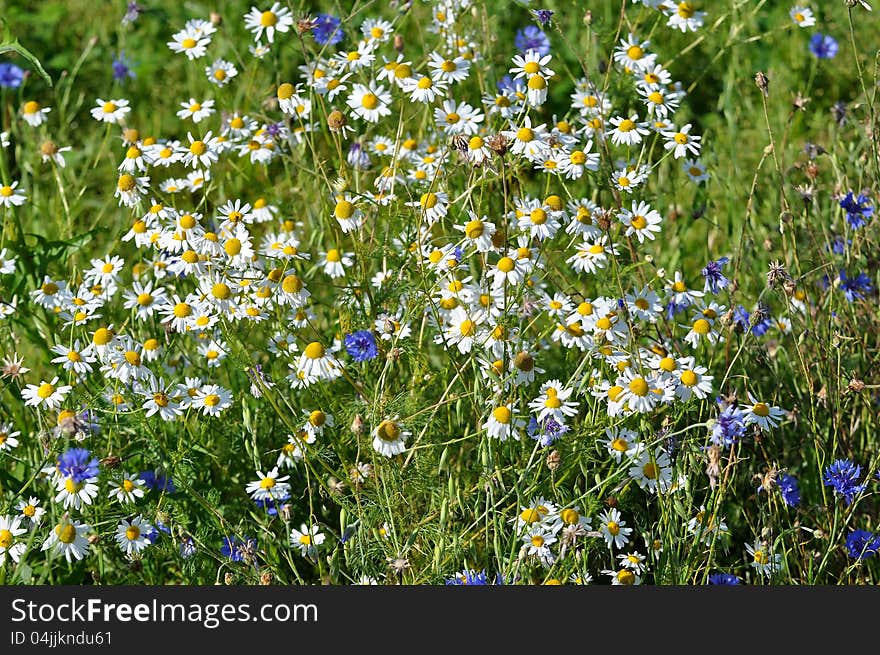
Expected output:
(307, 540)
(68, 538)
(614, 529)
(503, 424)
(221, 72)
(75, 357)
(127, 489)
(193, 43)
(802, 16)
(133, 536)
(763, 559)
(8, 439)
(369, 103)
(10, 530)
(761, 414)
(33, 113)
(196, 110)
(628, 131)
(46, 395)
(200, 151)
(552, 402)
(269, 486)
(448, 71)
(389, 437)
(110, 111)
(633, 54)
(681, 142)
(642, 221)
(622, 442)
(652, 471)
(316, 362)
(334, 262)
(537, 542)
(30, 510)
(212, 399)
(11, 195)
(266, 22)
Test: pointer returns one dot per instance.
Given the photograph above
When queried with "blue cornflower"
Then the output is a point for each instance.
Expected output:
(361, 346)
(859, 209)
(673, 308)
(760, 328)
(715, 279)
(157, 481)
(741, 319)
(11, 76)
(358, 157)
(78, 464)
(791, 491)
(543, 16)
(327, 30)
(730, 426)
(272, 505)
(823, 46)
(122, 68)
(855, 288)
(235, 549)
(861, 544)
(132, 11)
(843, 476)
(187, 547)
(532, 38)
(724, 579)
(546, 432)
(473, 578)
(838, 245)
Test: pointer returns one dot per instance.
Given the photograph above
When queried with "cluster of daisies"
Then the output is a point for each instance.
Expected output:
(202, 282)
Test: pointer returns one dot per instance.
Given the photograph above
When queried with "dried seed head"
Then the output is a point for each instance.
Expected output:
(357, 425)
(498, 144)
(266, 578)
(336, 120)
(228, 579)
(777, 274)
(855, 385)
(763, 83)
(713, 464)
(800, 102)
(216, 19)
(306, 24)
(398, 43)
(554, 459)
(111, 462)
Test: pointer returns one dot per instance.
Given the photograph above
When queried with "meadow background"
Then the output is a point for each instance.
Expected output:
(779, 161)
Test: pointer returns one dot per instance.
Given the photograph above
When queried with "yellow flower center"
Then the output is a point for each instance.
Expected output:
(126, 182)
(182, 310)
(198, 148)
(761, 409)
(370, 101)
(701, 326)
(268, 19)
(45, 390)
(314, 350)
(66, 533)
(388, 431)
(502, 415)
(639, 387)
